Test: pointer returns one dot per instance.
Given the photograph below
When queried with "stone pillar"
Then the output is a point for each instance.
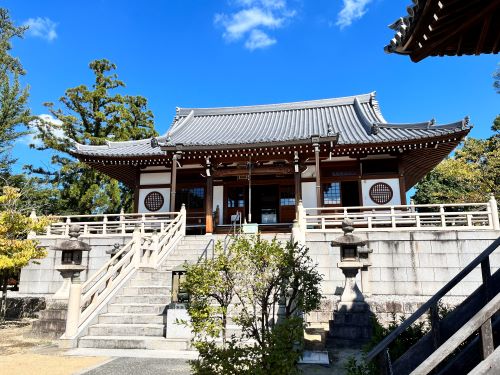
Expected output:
(73, 318)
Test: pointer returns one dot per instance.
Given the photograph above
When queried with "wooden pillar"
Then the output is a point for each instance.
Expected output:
(137, 190)
(173, 182)
(298, 185)
(319, 201)
(402, 184)
(209, 226)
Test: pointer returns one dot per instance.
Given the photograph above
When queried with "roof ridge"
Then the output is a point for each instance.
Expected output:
(328, 102)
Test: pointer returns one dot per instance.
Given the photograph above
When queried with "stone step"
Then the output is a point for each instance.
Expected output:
(157, 330)
(137, 308)
(124, 318)
(166, 282)
(149, 290)
(144, 299)
(133, 342)
(151, 275)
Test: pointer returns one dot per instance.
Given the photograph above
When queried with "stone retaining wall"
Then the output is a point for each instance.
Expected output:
(40, 276)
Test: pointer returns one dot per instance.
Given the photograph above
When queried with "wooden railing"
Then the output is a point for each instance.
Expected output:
(110, 224)
(464, 216)
(86, 299)
(488, 296)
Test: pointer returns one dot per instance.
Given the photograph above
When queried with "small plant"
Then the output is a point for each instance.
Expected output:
(264, 288)
(399, 346)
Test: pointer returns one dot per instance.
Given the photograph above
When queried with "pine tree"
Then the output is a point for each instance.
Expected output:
(92, 116)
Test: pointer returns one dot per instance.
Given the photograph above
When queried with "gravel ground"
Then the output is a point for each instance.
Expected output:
(20, 355)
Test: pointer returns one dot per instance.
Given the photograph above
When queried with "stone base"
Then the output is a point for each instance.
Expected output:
(176, 330)
(52, 322)
(351, 325)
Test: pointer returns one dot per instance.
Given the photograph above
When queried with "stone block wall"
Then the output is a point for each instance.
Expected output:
(406, 269)
(40, 276)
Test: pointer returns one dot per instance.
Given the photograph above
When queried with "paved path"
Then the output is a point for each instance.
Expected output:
(143, 366)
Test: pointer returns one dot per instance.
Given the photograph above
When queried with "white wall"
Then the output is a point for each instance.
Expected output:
(155, 178)
(163, 191)
(219, 201)
(310, 172)
(392, 182)
(309, 194)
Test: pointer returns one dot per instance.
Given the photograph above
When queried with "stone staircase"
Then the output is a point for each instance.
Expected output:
(136, 317)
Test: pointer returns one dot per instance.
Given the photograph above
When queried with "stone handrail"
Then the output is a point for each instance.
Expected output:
(88, 298)
(110, 224)
(453, 216)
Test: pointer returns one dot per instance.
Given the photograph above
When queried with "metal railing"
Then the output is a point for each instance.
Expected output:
(453, 216)
(381, 350)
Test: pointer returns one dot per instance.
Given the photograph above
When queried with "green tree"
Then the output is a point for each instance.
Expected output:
(264, 288)
(14, 112)
(16, 250)
(472, 174)
(92, 116)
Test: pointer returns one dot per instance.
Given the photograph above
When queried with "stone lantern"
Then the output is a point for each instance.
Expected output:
(179, 295)
(52, 322)
(71, 261)
(350, 264)
(351, 324)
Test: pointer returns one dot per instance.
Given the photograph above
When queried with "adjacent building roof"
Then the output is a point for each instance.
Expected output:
(352, 120)
(453, 28)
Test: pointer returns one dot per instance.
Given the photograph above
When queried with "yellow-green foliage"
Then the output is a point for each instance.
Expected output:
(16, 250)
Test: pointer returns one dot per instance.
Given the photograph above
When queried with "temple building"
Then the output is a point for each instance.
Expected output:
(255, 163)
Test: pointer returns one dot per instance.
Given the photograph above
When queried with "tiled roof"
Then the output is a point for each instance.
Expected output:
(354, 119)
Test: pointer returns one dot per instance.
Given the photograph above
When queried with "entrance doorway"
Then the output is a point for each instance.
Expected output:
(265, 204)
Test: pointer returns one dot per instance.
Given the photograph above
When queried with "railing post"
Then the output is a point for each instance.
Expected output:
(33, 218)
(183, 218)
(137, 246)
(73, 315)
(443, 217)
(494, 213)
(143, 224)
(393, 217)
(104, 225)
(298, 235)
(155, 241)
(435, 326)
(122, 220)
(68, 224)
(486, 331)
(301, 217)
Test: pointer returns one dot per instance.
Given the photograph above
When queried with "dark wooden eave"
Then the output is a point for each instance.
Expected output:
(418, 157)
(447, 28)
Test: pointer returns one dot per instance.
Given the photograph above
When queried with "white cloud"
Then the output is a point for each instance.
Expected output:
(42, 27)
(248, 23)
(259, 39)
(50, 123)
(351, 11)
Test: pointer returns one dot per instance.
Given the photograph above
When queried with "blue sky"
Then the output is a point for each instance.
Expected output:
(202, 53)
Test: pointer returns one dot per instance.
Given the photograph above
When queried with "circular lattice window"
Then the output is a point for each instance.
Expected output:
(154, 201)
(381, 193)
